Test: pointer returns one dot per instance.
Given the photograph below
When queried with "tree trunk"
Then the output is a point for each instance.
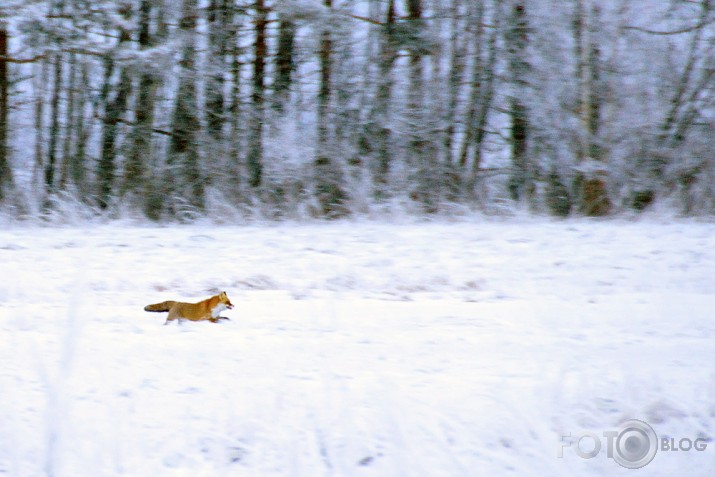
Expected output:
(378, 130)
(482, 81)
(475, 85)
(141, 152)
(68, 146)
(488, 77)
(255, 148)
(235, 110)
(218, 17)
(5, 169)
(591, 188)
(39, 84)
(284, 64)
(115, 109)
(672, 132)
(428, 183)
(183, 158)
(329, 186)
(54, 129)
(78, 166)
(458, 47)
(518, 40)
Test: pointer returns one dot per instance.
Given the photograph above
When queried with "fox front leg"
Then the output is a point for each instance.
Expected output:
(216, 319)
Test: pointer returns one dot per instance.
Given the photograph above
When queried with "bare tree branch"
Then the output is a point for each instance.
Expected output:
(680, 31)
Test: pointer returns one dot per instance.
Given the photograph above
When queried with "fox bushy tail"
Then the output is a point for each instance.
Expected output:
(160, 307)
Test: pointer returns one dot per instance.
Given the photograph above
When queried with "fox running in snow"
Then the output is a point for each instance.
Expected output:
(209, 309)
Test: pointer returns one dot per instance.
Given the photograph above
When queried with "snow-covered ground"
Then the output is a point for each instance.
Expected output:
(355, 349)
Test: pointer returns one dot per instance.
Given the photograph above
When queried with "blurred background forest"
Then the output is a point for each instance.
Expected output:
(178, 109)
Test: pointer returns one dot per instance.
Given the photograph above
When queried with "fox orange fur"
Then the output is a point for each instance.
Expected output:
(208, 309)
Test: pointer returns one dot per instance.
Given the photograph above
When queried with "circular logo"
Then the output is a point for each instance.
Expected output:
(635, 445)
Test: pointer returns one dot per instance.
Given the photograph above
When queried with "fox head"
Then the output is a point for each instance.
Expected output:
(223, 298)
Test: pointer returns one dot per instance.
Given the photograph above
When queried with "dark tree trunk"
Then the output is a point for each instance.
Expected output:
(329, 187)
(54, 128)
(78, 166)
(235, 110)
(115, 109)
(377, 139)
(456, 73)
(218, 17)
(428, 185)
(518, 40)
(141, 153)
(591, 189)
(675, 123)
(255, 149)
(519, 134)
(183, 158)
(5, 170)
(481, 95)
(39, 85)
(284, 64)
(68, 146)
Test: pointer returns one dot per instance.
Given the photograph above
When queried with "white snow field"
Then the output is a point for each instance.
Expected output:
(467, 348)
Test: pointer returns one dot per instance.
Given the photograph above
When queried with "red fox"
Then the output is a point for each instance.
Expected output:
(208, 309)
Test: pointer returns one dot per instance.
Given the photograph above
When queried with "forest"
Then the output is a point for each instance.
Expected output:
(180, 109)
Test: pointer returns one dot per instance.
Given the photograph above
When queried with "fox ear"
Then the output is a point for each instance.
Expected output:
(223, 293)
